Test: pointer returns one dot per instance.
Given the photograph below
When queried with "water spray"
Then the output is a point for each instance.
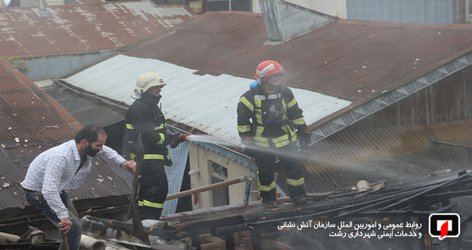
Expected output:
(247, 147)
(343, 164)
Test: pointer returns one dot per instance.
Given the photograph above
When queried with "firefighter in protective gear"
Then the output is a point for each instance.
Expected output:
(269, 118)
(146, 118)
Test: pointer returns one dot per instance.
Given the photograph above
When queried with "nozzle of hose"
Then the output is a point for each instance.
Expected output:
(183, 137)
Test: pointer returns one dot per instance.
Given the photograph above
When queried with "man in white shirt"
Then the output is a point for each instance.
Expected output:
(62, 168)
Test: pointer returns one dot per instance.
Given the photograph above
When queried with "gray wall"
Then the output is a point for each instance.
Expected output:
(59, 66)
(408, 11)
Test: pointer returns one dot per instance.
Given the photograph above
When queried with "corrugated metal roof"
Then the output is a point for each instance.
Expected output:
(205, 102)
(356, 61)
(84, 108)
(88, 109)
(31, 122)
(371, 64)
(367, 63)
(78, 28)
(175, 175)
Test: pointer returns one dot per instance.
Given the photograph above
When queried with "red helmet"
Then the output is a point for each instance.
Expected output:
(268, 68)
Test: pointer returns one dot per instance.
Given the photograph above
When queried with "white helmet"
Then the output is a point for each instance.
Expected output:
(146, 81)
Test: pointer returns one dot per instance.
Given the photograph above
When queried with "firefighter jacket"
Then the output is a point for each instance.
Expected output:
(273, 120)
(146, 118)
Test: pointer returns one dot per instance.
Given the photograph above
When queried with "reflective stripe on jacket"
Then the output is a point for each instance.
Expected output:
(146, 118)
(254, 111)
(146, 203)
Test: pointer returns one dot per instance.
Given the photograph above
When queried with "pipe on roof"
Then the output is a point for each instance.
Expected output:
(90, 243)
(6, 238)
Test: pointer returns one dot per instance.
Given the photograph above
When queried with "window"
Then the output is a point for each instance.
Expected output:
(220, 195)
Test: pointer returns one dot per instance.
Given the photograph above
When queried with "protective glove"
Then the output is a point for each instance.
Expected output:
(170, 137)
(129, 150)
(304, 137)
(178, 138)
(249, 142)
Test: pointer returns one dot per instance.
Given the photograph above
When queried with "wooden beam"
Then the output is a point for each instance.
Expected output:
(207, 187)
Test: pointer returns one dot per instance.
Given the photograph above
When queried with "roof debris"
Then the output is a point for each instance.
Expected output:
(370, 212)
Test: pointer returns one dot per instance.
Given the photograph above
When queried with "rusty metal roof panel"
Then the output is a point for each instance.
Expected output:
(103, 181)
(357, 61)
(352, 60)
(31, 122)
(72, 29)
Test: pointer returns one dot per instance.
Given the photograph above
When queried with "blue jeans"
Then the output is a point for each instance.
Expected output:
(36, 200)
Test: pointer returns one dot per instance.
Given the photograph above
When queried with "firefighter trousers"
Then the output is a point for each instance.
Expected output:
(153, 189)
(292, 167)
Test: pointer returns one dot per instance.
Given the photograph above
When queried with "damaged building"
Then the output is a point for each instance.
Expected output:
(368, 97)
(384, 101)
(387, 103)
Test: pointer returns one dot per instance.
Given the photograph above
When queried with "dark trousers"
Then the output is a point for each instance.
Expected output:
(153, 189)
(36, 200)
(292, 167)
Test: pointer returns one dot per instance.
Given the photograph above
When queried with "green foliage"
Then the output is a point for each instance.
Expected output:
(20, 64)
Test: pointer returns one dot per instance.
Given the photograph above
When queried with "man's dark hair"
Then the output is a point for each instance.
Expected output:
(90, 133)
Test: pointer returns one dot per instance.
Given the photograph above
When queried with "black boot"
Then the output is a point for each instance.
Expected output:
(269, 199)
(269, 204)
(299, 200)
